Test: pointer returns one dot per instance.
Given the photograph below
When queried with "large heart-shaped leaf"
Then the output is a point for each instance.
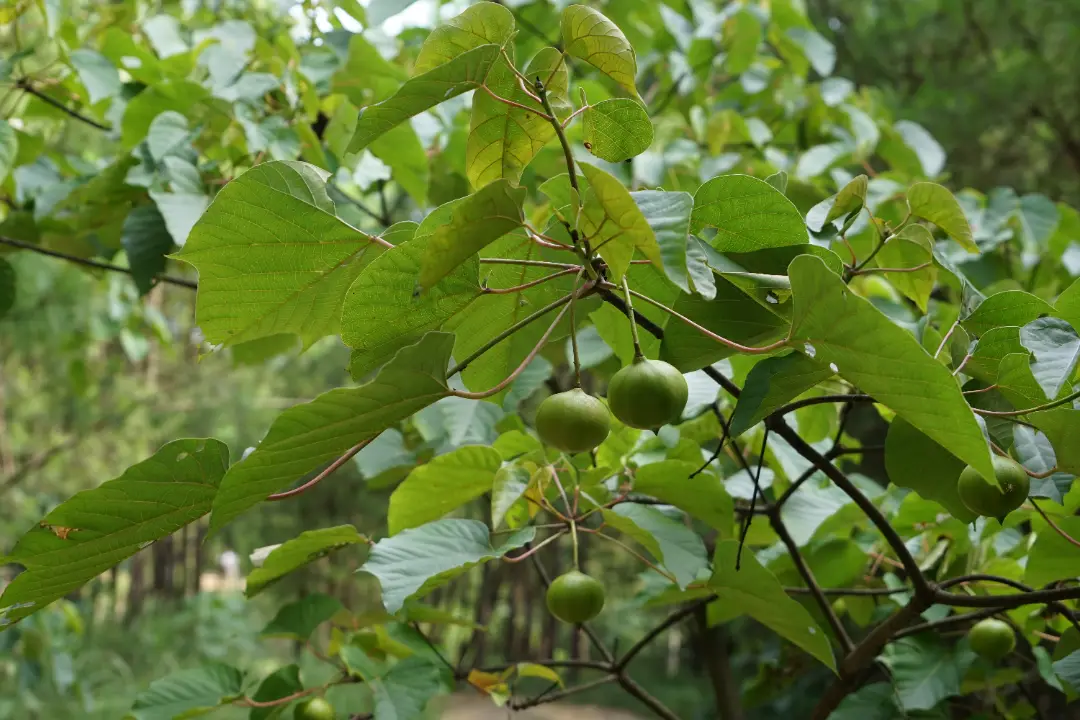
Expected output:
(441, 486)
(307, 436)
(914, 461)
(188, 693)
(588, 35)
(483, 23)
(748, 214)
(841, 329)
(273, 258)
(94, 530)
(617, 129)
(772, 383)
(933, 202)
(614, 223)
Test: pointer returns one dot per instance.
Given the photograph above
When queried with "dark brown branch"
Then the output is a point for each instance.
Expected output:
(24, 84)
(821, 400)
(645, 698)
(168, 279)
(672, 619)
(555, 696)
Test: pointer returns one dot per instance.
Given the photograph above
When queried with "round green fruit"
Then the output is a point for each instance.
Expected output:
(314, 709)
(572, 421)
(983, 498)
(992, 639)
(575, 597)
(647, 394)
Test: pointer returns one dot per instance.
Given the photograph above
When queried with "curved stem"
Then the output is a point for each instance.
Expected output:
(529, 263)
(648, 563)
(330, 470)
(1038, 408)
(534, 548)
(704, 331)
(914, 268)
(526, 286)
(567, 121)
(1054, 526)
(633, 323)
(511, 103)
(573, 338)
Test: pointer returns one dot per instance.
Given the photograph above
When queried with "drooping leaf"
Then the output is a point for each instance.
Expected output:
(441, 486)
(1011, 307)
(772, 383)
(748, 214)
(702, 497)
(668, 214)
(146, 242)
(753, 590)
(423, 92)
(163, 32)
(851, 197)
(307, 436)
(414, 562)
(678, 548)
(882, 359)
(990, 349)
(933, 202)
(305, 548)
(96, 529)
(614, 222)
(503, 139)
(588, 35)
(927, 151)
(404, 691)
(97, 74)
(188, 693)
(911, 248)
(272, 256)
(742, 35)
(383, 310)
(167, 134)
(480, 24)
(1056, 348)
(1038, 217)
(925, 670)
(617, 129)
(180, 212)
(475, 222)
(508, 486)
(914, 461)
(299, 618)
(280, 684)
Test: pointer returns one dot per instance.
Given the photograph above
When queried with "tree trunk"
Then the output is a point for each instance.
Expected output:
(135, 590)
(200, 557)
(714, 647)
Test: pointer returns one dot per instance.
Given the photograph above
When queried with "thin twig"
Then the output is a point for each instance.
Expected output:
(753, 500)
(330, 470)
(1053, 525)
(24, 84)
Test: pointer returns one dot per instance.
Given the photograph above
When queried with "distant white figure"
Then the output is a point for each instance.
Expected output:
(230, 566)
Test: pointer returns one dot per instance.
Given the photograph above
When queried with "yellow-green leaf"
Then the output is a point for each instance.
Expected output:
(614, 222)
(617, 129)
(588, 35)
(748, 214)
(933, 202)
(484, 23)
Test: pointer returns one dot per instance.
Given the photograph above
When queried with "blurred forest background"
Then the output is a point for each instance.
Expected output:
(93, 378)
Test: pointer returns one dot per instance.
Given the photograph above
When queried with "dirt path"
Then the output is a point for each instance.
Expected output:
(462, 707)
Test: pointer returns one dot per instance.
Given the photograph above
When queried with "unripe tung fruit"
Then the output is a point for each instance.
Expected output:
(992, 639)
(314, 709)
(575, 597)
(572, 421)
(983, 498)
(647, 394)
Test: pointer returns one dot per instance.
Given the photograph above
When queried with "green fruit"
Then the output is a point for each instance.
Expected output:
(572, 421)
(992, 639)
(983, 498)
(314, 709)
(647, 394)
(575, 597)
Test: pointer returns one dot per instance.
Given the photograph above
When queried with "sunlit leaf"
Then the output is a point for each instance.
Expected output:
(678, 548)
(614, 222)
(588, 35)
(305, 548)
(441, 486)
(748, 214)
(617, 129)
(483, 23)
(933, 202)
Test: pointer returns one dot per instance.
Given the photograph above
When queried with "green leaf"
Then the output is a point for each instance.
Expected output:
(163, 32)
(1052, 557)
(474, 223)
(990, 349)
(668, 214)
(675, 546)
(480, 24)
(731, 314)
(188, 693)
(305, 548)
(168, 133)
(819, 51)
(366, 76)
(749, 214)
(401, 149)
(307, 436)
(404, 692)
(914, 461)
(507, 487)
(933, 202)
(614, 222)
(1056, 348)
(503, 139)
(773, 383)
(94, 530)
(912, 247)
(617, 129)
(927, 151)
(702, 497)
(1011, 307)
(383, 312)
(441, 486)
(8, 288)
(742, 35)
(588, 35)
(146, 242)
(1067, 305)
(1038, 217)
(871, 702)
(811, 507)
(882, 359)
(97, 74)
(925, 670)
(414, 562)
(180, 212)
(1068, 669)
(281, 683)
(9, 149)
(299, 618)
(852, 197)
(272, 256)
(465, 72)
(752, 590)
